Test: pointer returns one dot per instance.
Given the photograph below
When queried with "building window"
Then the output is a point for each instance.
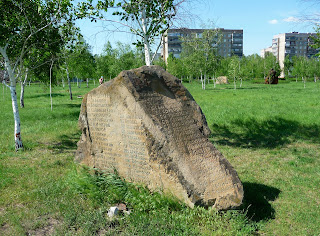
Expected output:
(174, 34)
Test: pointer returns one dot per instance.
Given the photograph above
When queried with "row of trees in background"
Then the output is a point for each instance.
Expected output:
(84, 66)
(244, 68)
(302, 67)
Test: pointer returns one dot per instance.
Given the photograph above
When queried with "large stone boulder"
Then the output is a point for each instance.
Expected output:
(146, 125)
(222, 80)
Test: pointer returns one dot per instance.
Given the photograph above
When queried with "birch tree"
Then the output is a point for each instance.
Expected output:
(201, 50)
(146, 19)
(233, 69)
(24, 26)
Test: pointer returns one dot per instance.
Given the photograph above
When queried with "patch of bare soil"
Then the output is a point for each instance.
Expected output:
(46, 230)
(4, 229)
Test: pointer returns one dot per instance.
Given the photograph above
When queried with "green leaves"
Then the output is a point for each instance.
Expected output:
(198, 53)
(147, 19)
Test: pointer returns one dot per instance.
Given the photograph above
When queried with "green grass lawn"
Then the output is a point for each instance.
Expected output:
(269, 133)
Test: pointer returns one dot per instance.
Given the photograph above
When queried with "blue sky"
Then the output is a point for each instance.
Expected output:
(259, 19)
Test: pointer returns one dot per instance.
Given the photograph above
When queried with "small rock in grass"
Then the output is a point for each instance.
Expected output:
(113, 211)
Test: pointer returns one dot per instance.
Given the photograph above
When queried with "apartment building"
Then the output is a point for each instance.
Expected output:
(230, 42)
(264, 51)
(292, 44)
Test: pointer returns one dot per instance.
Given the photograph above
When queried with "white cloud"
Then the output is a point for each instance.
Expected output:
(291, 19)
(273, 22)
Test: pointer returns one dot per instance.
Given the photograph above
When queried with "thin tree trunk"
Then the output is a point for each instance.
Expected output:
(17, 125)
(62, 82)
(87, 83)
(3, 91)
(51, 84)
(201, 79)
(23, 83)
(15, 108)
(240, 82)
(69, 83)
(144, 22)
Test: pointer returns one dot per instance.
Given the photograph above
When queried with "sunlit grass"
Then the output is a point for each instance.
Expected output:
(271, 135)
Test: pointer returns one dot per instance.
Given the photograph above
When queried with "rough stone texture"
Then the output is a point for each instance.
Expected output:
(222, 80)
(272, 78)
(146, 125)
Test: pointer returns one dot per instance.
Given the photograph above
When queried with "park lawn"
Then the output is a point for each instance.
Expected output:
(269, 133)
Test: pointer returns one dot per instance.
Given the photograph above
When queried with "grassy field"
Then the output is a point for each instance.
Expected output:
(270, 134)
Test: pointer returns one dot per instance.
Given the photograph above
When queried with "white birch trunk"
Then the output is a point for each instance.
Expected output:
(17, 125)
(240, 82)
(62, 82)
(23, 84)
(69, 83)
(87, 83)
(3, 91)
(201, 79)
(144, 22)
(51, 84)
(15, 108)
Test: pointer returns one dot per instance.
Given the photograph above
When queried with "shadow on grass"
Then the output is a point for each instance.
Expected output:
(73, 115)
(245, 88)
(256, 201)
(66, 143)
(270, 133)
(68, 105)
(47, 95)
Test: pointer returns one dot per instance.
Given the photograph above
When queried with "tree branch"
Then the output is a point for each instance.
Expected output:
(4, 82)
